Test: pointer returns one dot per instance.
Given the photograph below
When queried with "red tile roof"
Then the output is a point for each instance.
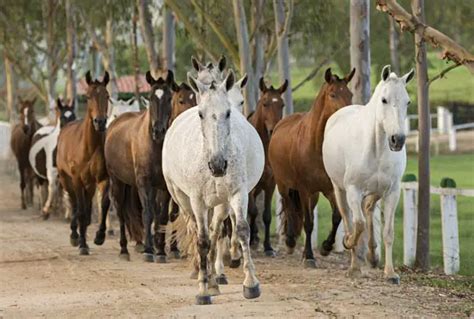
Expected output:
(126, 84)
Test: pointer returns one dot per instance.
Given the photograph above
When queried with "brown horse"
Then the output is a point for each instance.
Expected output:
(133, 152)
(20, 142)
(80, 160)
(183, 99)
(268, 113)
(295, 155)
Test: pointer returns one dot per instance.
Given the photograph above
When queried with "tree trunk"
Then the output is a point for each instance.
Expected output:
(108, 58)
(423, 237)
(244, 53)
(10, 87)
(258, 41)
(394, 42)
(282, 25)
(136, 65)
(360, 50)
(147, 35)
(49, 12)
(168, 39)
(71, 54)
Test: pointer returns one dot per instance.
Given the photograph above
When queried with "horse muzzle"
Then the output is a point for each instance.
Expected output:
(158, 133)
(396, 142)
(26, 129)
(218, 166)
(100, 124)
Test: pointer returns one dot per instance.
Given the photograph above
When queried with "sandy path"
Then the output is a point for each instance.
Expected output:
(41, 275)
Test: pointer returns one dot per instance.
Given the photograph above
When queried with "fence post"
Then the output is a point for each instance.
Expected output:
(442, 119)
(410, 222)
(449, 224)
(451, 131)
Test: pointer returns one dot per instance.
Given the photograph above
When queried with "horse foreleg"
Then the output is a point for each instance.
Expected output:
(308, 205)
(220, 213)
(52, 189)
(104, 207)
(239, 204)
(354, 199)
(267, 220)
(22, 187)
(161, 221)
(336, 220)
(147, 196)
(253, 214)
(368, 205)
(390, 205)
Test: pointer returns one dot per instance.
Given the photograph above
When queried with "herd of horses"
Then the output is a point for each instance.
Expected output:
(193, 154)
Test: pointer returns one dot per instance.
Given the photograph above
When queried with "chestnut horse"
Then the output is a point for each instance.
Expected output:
(295, 155)
(80, 161)
(133, 155)
(268, 113)
(20, 142)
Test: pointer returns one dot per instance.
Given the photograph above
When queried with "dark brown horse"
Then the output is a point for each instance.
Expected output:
(295, 155)
(133, 153)
(80, 161)
(268, 113)
(20, 142)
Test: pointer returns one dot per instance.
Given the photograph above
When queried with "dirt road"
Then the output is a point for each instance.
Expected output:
(41, 275)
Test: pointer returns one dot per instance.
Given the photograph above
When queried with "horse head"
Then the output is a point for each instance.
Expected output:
(160, 103)
(183, 98)
(270, 105)
(65, 113)
(209, 72)
(214, 111)
(335, 92)
(392, 100)
(97, 101)
(27, 114)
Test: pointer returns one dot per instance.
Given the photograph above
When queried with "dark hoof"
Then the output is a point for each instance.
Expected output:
(252, 292)
(176, 254)
(234, 263)
(309, 263)
(325, 248)
(110, 232)
(270, 253)
(45, 216)
(99, 238)
(139, 248)
(84, 251)
(149, 258)
(23, 206)
(203, 300)
(194, 274)
(222, 280)
(74, 241)
(124, 257)
(394, 280)
(161, 259)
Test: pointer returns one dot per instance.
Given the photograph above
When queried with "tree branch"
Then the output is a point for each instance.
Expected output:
(451, 50)
(443, 73)
(311, 74)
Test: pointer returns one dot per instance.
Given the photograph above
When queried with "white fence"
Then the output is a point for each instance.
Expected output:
(4, 140)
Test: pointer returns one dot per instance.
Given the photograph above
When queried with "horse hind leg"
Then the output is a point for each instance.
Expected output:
(390, 205)
(369, 205)
(117, 194)
(267, 220)
(220, 213)
(308, 209)
(327, 245)
(22, 188)
(161, 221)
(174, 213)
(253, 214)
(104, 208)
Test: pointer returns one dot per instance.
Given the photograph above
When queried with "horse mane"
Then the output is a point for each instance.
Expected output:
(250, 115)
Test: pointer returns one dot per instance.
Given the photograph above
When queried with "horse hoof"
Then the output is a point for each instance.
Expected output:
(395, 280)
(252, 292)
(74, 241)
(45, 216)
(354, 273)
(139, 248)
(99, 238)
(309, 263)
(110, 232)
(270, 253)
(234, 263)
(84, 251)
(203, 300)
(290, 250)
(124, 257)
(161, 259)
(194, 274)
(176, 254)
(213, 291)
(222, 280)
(326, 248)
(149, 258)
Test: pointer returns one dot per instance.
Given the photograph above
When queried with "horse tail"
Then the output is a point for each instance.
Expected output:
(292, 219)
(186, 236)
(132, 213)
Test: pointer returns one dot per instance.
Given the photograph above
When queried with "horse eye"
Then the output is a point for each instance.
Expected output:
(242, 103)
(332, 95)
(227, 115)
(181, 101)
(200, 115)
(384, 100)
(409, 102)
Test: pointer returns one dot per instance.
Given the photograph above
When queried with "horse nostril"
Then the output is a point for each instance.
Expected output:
(225, 165)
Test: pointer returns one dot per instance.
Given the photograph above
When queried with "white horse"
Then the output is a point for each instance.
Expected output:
(212, 158)
(365, 157)
(118, 107)
(45, 140)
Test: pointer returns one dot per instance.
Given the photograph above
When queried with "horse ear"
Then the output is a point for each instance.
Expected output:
(386, 72)
(33, 101)
(88, 78)
(283, 87)
(171, 82)
(349, 77)
(58, 101)
(328, 75)
(106, 79)
(407, 77)
(197, 86)
(261, 85)
(196, 65)
(222, 63)
(149, 78)
(241, 83)
(73, 104)
(229, 80)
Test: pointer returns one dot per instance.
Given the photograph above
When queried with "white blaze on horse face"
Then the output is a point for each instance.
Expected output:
(159, 93)
(393, 102)
(67, 114)
(215, 111)
(26, 110)
(191, 96)
(274, 99)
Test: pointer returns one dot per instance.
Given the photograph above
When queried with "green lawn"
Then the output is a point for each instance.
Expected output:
(458, 167)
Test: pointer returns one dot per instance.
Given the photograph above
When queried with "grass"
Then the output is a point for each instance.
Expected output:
(461, 169)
